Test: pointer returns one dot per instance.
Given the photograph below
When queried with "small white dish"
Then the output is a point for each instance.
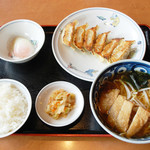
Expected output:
(85, 66)
(23, 28)
(43, 98)
(27, 95)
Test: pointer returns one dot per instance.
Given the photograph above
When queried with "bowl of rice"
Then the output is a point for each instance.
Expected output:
(15, 106)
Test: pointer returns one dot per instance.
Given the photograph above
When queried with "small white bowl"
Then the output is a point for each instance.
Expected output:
(43, 98)
(27, 95)
(20, 28)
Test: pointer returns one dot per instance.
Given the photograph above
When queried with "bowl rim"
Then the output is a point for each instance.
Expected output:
(19, 84)
(133, 141)
(37, 50)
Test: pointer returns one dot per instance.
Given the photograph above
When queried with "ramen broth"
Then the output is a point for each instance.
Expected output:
(134, 86)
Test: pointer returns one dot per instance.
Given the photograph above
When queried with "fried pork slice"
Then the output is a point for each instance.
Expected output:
(78, 38)
(89, 38)
(108, 49)
(68, 32)
(121, 51)
(138, 121)
(100, 43)
(107, 99)
(114, 110)
(123, 118)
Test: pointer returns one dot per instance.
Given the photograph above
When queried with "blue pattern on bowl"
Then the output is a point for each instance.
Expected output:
(118, 68)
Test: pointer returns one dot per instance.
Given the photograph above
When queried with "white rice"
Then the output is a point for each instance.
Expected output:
(13, 107)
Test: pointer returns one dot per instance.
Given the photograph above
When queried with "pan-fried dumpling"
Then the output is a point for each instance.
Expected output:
(85, 39)
(108, 49)
(89, 39)
(121, 51)
(100, 43)
(68, 33)
(78, 39)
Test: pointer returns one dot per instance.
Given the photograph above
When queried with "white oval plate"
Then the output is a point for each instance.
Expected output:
(83, 65)
(43, 97)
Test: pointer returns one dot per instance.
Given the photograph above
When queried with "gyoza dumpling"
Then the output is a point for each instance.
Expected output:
(121, 51)
(100, 43)
(78, 39)
(68, 32)
(89, 39)
(108, 49)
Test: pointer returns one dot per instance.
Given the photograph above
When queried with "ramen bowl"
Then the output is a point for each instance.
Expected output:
(31, 36)
(117, 68)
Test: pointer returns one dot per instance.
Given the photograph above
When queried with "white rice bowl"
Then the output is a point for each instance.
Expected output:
(15, 106)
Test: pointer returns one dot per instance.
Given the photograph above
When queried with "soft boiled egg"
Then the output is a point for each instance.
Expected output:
(21, 48)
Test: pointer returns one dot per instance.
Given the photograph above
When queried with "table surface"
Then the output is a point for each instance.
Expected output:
(51, 12)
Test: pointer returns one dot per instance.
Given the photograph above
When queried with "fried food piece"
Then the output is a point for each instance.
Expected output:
(121, 51)
(89, 39)
(68, 33)
(78, 39)
(100, 43)
(123, 118)
(108, 49)
(107, 99)
(114, 110)
(138, 122)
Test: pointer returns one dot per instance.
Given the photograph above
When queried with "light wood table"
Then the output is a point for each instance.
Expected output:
(51, 12)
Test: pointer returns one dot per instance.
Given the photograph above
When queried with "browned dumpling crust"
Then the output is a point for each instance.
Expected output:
(121, 51)
(108, 49)
(100, 42)
(68, 33)
(85, 40)
(78, 39)
(90, 37)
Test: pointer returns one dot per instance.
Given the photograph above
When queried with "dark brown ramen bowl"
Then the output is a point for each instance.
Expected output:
(119, 67)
